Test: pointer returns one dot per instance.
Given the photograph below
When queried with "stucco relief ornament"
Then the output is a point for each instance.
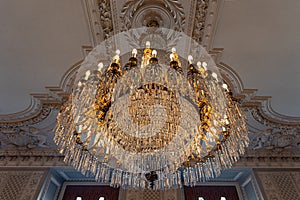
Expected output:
(105, 18)
(171, 12)
(200, 17)
(25, 137)
(272, 139)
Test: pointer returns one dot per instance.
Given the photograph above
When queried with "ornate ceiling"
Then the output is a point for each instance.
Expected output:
(26, 136)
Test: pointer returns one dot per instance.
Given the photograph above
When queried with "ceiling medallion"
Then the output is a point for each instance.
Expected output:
(168, 13)
(150, 115)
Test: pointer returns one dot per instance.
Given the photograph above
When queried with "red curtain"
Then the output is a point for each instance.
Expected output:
(90, 192)
(211, 192)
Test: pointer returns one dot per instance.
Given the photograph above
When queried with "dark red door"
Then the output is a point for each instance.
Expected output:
(90, 192)
(211, 192)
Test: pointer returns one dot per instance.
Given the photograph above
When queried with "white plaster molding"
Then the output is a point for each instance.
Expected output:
(31, 161)
(210, 23)
(92, 12)
(249, 99)
(135, 14)
(42, 104)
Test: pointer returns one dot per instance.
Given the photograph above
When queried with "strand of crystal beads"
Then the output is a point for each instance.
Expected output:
(216, 95)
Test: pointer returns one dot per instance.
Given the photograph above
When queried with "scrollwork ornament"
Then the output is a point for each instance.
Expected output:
(22, 137)
(172, 7)
(106, 18)
(200, 17)
(177, 11)
(274, 139)
(34, 118)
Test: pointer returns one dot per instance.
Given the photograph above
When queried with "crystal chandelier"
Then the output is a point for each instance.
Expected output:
(159, 120)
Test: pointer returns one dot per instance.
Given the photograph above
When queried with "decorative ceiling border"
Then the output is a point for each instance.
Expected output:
(103, 20)
(248, 98)
(42, 159)
(26, 138)
(42, 104)
(173, 8)
(205, 21)
(272, 135)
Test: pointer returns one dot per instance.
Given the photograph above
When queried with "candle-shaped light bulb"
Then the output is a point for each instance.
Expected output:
(172, 57)
(154, 53)
(190, 59)
(87, 74)
(116, 58)
(134, 53)
(173, 50)
(147, 44)
(204, 65)
(214, 75)
(100, 66)
(225, 86)
(199, 64)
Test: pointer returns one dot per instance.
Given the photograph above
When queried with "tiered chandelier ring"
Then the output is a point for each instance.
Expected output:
(154, 114)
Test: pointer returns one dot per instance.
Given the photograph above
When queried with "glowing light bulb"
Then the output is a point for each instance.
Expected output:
(147, 44)
(204, 65)
(225, 86)
(199, 64)
(214, 75)
(116, 58)
(134, 52)
(190, 59)
(87, 74)
(173, 50)
(100, 66)
(171, 57)
(154, 53)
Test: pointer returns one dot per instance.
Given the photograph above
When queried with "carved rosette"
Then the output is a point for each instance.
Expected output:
(164, 13)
